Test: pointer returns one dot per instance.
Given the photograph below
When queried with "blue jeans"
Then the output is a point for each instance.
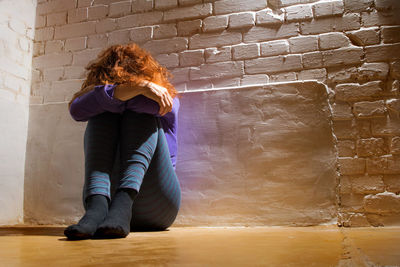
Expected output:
(129, 150)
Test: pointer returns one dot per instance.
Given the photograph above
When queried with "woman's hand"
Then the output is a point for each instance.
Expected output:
(159, 94)
(126, 91)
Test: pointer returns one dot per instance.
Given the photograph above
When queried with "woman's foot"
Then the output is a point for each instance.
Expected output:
(97, 209)
(118, 220)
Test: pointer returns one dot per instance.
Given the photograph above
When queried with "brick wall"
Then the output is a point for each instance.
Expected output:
(17, 29)
(351, 46)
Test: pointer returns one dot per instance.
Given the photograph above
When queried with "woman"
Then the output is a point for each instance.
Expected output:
(131, 109)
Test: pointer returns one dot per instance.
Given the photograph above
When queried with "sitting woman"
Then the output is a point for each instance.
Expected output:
(132, 110)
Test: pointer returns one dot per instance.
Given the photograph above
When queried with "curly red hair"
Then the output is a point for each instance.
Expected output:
(125, 64)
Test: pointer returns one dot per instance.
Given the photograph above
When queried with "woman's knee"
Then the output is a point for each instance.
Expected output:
(155, 222)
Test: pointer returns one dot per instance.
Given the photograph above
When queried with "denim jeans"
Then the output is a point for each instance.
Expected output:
(129, 150)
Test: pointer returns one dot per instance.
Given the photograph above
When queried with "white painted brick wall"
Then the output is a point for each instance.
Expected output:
(351, 46)
(17, 22)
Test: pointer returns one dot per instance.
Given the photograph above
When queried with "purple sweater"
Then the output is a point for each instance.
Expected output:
(101, 99)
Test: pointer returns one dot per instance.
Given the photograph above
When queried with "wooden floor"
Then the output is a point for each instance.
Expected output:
(202, 246)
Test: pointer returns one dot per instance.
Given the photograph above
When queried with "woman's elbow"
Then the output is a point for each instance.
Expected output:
(76, 113)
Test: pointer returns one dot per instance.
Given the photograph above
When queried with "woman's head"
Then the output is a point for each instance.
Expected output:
(127, 63)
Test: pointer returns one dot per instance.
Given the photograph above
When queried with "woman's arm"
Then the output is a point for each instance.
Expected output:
(143, 104)
(96, 101)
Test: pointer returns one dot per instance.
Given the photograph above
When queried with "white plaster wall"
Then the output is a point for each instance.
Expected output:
(17, 24)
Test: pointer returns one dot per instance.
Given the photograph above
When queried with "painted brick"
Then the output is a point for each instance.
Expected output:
(303, 44)
(164, 31)
(215, 23)
(373, 71)
(313, 74)
(331, 24)
(357, 6)
(106, 25)
(168, 60)
(218, 54)
(395, 145)
(329, 8)
(382, 52)
(387, 4)
(103, 2)
(225, 82)
(118, 37)
(391, 34)
(38, 48)
(53, 74)
(75, 30)
(75, 44)
(99, 40)
(365, 36)
(165, 4)
(283, 77)
(140, 19)
(386, 202)
(140, 6)
(44, 34)
(389, 125)
(186, 28)
(59, 18)
(180, 75)
(298, 13)
(233, 6)
(119, 9)
(395, 88)
(333, 40)
(268, 17)
(55, 6)
(214, 39)
(97, 12)
(395, 69)
(254, 79)
(141, 34)
(367, 184)
(341, 111)
(192, 12)
(273, 64)
(283, 3)
(173, 45)
(274, 48)
(374, 18)
(216, 70)
(312, 60)
(357, 92)
(191, 58)
(242, 20)
(349, 166)
(77, 15)
(245, 51)
(84, 3)
(74, 72)
(200, 84)
(54, 46)
(258, 34)
(52, 60)
(369, 109)
(81, 58)
(346, 148)
(342, 56)
(40, 21)
(393, 104)
(189, 2)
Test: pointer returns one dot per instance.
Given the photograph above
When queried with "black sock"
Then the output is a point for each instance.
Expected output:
(118, 220)
(97, 209)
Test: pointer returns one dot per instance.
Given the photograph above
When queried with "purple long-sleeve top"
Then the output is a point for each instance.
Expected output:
(101, 99)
